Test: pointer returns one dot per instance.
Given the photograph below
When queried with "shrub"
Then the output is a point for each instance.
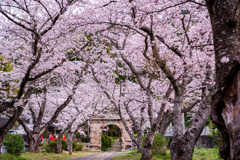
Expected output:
(106, 142)
(64, 144)
(74, 146)
(159, 144)
(78, 146)
(52, 146)
(14, 143)
(44, 146)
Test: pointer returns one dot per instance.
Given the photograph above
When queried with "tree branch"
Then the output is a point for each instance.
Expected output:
(24, 126)
(57, 65)
(190, 107)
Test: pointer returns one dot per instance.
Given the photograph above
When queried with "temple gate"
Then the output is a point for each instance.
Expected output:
(97, 125)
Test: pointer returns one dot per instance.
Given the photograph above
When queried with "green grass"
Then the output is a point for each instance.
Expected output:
(199, 154)
(206, 154)
(44, 156)
(8, 156)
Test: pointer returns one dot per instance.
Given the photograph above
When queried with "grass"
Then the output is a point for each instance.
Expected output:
(8, 156)
(206, 154)
(199, 154)
(44, 156)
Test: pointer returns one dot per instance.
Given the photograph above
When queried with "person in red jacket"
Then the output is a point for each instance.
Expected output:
(51, 137)
(64, 138)
(41, 138)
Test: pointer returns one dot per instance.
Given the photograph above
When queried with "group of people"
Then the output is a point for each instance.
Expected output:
(51, 137)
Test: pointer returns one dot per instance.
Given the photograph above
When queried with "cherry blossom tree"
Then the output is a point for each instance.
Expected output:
(51, 112)
(77, 114)
(34, 37)
(168, 42)
(122, 100)
(181, 49)
(224, 17)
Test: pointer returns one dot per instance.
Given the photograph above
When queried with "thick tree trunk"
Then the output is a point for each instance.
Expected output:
(225, 22)
(225, 114)
(59, 143)
(33, 137)
(33, 141)
(182, 146)
(175, 147)
(146, 151)
(69, 142)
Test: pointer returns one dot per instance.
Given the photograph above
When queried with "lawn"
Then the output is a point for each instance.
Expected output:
(199, 154)
(45, 156)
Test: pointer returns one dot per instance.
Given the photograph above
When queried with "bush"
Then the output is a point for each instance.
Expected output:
(78, 146)
(14, 143)
(106, 142)
(159, 144)
(64, 144)
(44, 146)
(52, 146)
(74, 146)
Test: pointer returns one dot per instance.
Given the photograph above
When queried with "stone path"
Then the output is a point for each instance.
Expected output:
(116, 146)
(102, 156)
(112, 152)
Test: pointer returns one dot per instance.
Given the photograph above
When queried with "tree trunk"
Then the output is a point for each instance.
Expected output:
(182, 146)
(165, 123)
(139, 136)
(146, 151)
(175, 147)
(59, 143)
(225, 114)
(225, 23)
(4, 130)
(33, 140)
(69, 142)
(147, 147)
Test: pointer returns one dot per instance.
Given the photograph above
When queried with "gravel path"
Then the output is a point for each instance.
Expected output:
(116, 154)
(102, 156)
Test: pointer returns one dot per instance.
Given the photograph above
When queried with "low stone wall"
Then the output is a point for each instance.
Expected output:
(86, 146)
(205, 142)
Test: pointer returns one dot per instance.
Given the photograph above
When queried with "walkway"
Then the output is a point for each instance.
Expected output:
(112, 152)
(102, 156)
(116, 147)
